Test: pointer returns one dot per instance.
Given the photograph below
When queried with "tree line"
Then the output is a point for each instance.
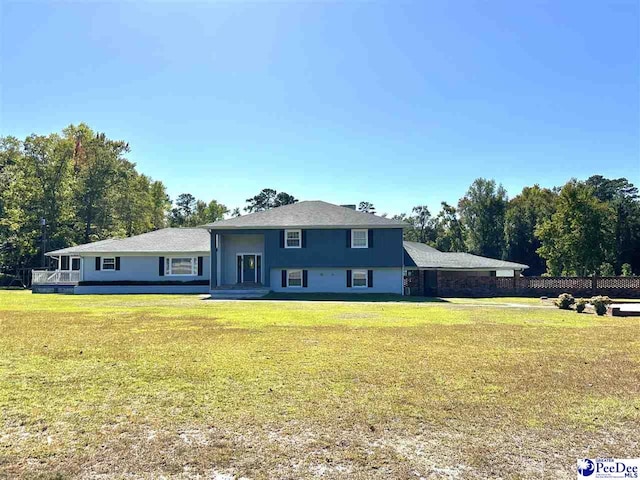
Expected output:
(81, 183)
(581, 228)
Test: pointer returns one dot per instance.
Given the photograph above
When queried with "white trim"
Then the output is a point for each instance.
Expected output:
(102, 269)
(286, 240)
(168, 263)
(256, 280)
(366, 237)
(353, 278)
(301, 278)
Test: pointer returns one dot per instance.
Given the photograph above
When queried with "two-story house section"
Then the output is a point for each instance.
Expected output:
(310, 246)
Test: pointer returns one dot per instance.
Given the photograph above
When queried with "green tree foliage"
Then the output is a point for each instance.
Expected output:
(449, 233)
(524, 214)
(578, 238)
(624, 200)
(482, 210)
(626, 270)
(189, 212)
(268, 198)
(81, 183)
(366, 207)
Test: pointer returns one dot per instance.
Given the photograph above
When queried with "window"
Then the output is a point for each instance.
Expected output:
(181, 266)
(359, 279)
(293, 238)
(294, 278)
(360, 238)
(108, 263)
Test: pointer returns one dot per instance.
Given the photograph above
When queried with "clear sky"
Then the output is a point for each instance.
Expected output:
(397, 103)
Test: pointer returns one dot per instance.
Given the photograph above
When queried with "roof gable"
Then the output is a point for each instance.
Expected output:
(307, 214)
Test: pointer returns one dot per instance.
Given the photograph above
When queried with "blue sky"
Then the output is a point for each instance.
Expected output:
(397, 103)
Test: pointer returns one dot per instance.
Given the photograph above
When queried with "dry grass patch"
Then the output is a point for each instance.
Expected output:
(116, 386)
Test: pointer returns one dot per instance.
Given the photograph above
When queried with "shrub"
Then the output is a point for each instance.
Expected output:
(607, 270)
(600, 304)
(580, 304)
(626, 270)
(564, 301)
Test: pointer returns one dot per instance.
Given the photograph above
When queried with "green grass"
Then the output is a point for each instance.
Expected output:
(175, 385)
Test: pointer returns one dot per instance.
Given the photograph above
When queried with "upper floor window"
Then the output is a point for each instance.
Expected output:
(108, 263)
(293, 238)
(180, 266)
(360, 238)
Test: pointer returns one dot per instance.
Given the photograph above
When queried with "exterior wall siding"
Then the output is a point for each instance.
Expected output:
(137, 268)
(232, 245)
(334, 280)
(325, 248)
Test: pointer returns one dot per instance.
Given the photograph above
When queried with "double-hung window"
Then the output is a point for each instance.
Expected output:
(108, 263)
(293, 238)
(294, 278)
(180, 266)
(360, 238)
(360, 279)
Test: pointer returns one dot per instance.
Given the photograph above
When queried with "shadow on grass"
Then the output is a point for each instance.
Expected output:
(351, 297)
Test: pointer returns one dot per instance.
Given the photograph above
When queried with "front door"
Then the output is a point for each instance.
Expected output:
(248, 268)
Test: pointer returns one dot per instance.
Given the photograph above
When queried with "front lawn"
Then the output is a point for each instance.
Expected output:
(178, 386)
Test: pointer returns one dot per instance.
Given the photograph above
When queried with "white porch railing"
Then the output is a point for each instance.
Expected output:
(57, 277)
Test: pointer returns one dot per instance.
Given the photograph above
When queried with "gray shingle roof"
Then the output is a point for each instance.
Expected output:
(424, 256)
(167, 240)
(307, 214)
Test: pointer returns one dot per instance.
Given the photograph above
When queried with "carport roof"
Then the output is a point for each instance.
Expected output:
(423, 256)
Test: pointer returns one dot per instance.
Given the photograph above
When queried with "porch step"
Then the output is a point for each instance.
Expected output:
(236, 293)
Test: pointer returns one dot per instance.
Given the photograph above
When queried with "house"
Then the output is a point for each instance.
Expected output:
(171, 260)
(310, 246)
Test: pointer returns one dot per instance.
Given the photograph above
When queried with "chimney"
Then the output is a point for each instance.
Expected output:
(352, 207)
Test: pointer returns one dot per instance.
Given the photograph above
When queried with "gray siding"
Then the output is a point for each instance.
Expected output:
(325, 248)
(137, 268)
(334, 280)
(232, 245)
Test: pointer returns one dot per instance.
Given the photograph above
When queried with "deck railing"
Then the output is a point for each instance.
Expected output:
(57, 277)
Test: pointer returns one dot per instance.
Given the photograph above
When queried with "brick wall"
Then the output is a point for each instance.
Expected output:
(453, 284)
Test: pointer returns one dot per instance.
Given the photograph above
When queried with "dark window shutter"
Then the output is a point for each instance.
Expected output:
(161, 266)
(303, 238)
(117, 263)
(284, 278)
(305, 278)
(369, 277)
(370, 239)
(281, 238)
(200, 259)
(348, 238)
(348, 278)
(97, 263)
